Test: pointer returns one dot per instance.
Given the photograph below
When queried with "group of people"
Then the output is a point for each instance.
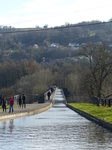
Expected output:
(22, 103)
(4, 103)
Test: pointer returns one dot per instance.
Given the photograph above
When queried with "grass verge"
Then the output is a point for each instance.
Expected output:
(101, 112)
(15, 106)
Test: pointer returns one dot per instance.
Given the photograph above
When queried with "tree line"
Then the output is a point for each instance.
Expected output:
(80, 78)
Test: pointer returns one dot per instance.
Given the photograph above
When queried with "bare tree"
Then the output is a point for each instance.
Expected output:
(99, 64)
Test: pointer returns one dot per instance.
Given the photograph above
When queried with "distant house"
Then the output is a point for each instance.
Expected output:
(73, 45)
(35, 46)
(83, 44)
(52, 45)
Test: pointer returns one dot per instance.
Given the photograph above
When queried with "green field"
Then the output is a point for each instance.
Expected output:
(101, 112)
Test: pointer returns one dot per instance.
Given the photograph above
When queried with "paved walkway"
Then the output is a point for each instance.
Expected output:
(29, 110)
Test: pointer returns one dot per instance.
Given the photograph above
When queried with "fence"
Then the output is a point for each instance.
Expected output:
(102, 101)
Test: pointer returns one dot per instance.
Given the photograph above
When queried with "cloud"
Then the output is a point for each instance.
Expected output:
(45, 6)
(57, 12)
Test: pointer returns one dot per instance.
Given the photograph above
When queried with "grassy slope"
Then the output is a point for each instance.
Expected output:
(103, 113)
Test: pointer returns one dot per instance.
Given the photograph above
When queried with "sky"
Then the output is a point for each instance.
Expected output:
(32, 13)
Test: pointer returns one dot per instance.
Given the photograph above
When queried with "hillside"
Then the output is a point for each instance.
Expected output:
(40, 44)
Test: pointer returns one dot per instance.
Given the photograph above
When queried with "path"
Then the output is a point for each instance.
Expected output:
(29, 110)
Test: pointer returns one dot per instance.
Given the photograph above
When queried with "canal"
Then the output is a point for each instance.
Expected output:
(59, 128)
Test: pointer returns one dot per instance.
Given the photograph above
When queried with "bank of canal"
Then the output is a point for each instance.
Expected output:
(100, 115)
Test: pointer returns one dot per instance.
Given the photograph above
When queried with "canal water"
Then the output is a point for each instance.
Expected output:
(59, 128)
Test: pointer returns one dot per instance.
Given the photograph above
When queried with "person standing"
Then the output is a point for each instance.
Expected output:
(20, 101)
(11, 102)
(3, 104)
(1, 100)
(24, 101)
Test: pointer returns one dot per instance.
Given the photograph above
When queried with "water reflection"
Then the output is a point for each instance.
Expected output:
(11, 125)
(4, 126)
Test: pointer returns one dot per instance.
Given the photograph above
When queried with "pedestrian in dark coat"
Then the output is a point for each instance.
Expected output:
(20, 101)
(3, 104)
(24, 101)
(49, 94)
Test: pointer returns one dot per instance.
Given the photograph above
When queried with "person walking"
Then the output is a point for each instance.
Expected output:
(11, 102)
(24, 101)
(48, 94)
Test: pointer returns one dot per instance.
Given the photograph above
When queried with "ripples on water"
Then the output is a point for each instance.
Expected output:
(57, 129)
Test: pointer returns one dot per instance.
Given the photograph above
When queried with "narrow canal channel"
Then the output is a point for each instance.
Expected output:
(59, 128)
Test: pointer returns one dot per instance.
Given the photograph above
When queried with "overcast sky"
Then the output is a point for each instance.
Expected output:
(29, 13)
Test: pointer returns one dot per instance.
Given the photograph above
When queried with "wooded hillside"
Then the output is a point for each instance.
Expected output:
(27, 43)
